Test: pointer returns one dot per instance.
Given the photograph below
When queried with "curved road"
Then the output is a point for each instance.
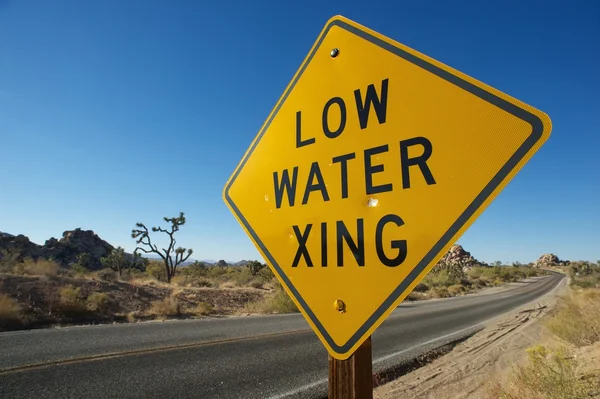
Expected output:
(242, 357)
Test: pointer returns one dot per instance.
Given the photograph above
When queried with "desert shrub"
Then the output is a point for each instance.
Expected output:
(106, 275)
(203, 308)
(216, 272)
(279, 302)
(475, 273)
(167, 307)
(202, 282)
(496, 275)
(131, 317)
(257, 284)
(70, 302)
(98, 302)
(10, 311)
(183, 280)
(577, 320)
(440, 292)
(156, 269)
(196, 269)
(132, 273)
(457, 289)
(9, 258)
(417, 296)
(548, 374)
(84, 260)
(440, 278)
(266, 274)
(421, 288)
(255, 267)
(77, 268)
(584, 275)
(241, 277)
(180, 280)
(38, 267)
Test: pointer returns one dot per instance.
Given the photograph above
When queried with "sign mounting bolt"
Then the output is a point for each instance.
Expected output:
(339, 305)
(335, 52)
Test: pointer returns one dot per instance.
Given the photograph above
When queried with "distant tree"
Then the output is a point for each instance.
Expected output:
(222, 263)
(196, 268)
(138, 262)
(143, 238)
(497, 263)
(255, 267)
(116, 260)
(517, 264)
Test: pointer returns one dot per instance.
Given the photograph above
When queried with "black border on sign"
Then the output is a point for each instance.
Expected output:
(536, 134)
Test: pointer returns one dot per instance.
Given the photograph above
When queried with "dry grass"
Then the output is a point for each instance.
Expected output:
(131, 317)
(578, 318)
(203, 309)
(167, 307)
(279, 302)
(556, 373)
(457, 290)
(549, 374)
(39, 267)
(10, 311)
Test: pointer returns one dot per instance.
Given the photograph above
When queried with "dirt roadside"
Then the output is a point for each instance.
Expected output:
(465, 371)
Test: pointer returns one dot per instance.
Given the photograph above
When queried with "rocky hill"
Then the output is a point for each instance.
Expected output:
(548, 260)
(63, 250)
(457, 256)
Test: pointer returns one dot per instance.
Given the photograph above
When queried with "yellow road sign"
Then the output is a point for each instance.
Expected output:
(371, 165)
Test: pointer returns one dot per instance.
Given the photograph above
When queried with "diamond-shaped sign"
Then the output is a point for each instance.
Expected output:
(375, 160)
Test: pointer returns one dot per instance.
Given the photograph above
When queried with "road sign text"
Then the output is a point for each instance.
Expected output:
(286, 183)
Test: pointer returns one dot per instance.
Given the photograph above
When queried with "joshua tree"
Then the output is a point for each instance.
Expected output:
(142, 236)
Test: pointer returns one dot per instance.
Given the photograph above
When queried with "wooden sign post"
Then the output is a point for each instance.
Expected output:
(352, 378)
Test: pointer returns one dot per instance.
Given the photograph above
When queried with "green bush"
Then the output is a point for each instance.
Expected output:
(78, 269)
(441, 278)
(156, 269)
(70, 302)
(98, 302)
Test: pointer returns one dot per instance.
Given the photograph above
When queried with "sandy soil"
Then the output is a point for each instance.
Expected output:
(465, 371)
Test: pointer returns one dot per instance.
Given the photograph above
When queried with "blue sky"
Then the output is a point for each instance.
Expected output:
(114, 112)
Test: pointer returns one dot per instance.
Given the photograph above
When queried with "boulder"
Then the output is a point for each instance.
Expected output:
(458, 257)
(548, 260)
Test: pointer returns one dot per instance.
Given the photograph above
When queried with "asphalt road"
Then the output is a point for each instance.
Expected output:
(245, 357)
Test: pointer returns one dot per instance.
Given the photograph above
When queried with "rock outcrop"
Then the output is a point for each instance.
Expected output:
(63, 251)
(75, 242)
(20, 244)
(548, 260)
(458, 257)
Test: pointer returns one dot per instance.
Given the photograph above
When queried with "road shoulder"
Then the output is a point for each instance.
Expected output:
(466, 370)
